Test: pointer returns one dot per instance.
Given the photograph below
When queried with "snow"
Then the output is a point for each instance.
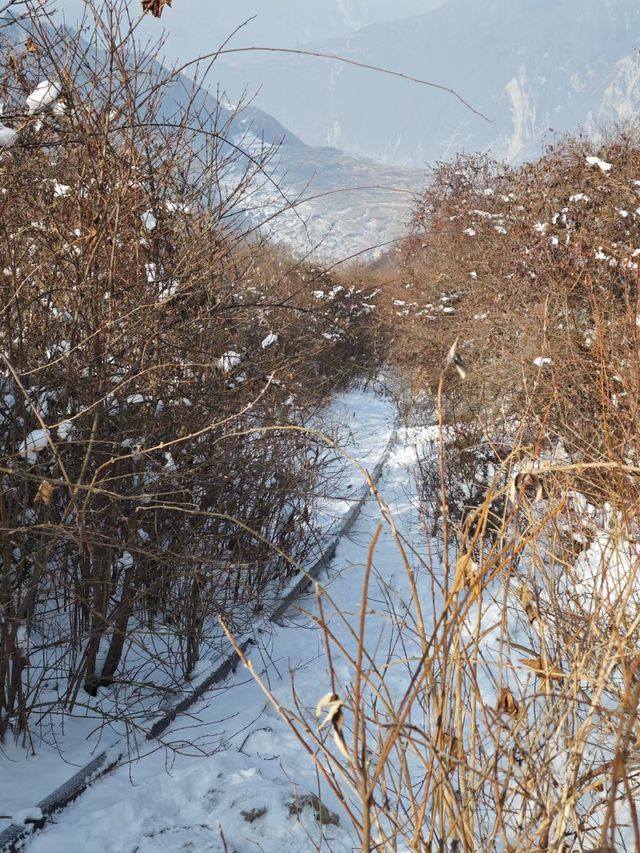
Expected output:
(65, 430)
(60, 190)
(125, 561)
(148, 220)
(42, 96)
(232, 767)
(541, 360)
(33, 443)
(601, 164)
(257, 784)
(269, 341)
(21, 817)
(362, 419)
(229, 360)
(8, 136)
(152, 271)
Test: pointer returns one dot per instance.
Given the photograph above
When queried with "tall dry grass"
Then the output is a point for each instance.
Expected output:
(515, 726)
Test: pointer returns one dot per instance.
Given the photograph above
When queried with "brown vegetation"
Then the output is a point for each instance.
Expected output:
(157, 363)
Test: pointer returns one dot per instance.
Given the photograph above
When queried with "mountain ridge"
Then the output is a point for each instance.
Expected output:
(509, 60)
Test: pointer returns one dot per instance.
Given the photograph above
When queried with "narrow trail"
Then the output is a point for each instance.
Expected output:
(235, 769)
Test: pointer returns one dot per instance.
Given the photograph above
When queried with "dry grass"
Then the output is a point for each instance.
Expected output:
(517, 726)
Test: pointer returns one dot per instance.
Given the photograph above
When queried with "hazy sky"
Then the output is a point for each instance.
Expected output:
(195, 27)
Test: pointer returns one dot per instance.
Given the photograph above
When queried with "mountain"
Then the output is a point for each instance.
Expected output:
(534, 68)
(275, 23)
(316, 199)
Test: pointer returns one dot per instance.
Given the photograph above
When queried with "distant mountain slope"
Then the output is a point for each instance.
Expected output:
(534, 68)
(333, 205)
(278, 23)
(315, 199)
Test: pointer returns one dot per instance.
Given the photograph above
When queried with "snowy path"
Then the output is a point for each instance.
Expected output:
(360, 420)
(169, 802)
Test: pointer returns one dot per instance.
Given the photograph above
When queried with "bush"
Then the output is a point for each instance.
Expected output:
(159, 365)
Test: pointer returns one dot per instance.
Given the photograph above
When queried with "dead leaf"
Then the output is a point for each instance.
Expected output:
(538, 667)
(507, 703)
(154, 6)
(45, 493)
(31, 46)
(453, 746)
(528, 603)
(328, 701)
(335, 718)
(467, 573)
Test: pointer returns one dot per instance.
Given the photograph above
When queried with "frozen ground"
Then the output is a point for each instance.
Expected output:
(169, 802)
(177, 797)
(232, 775)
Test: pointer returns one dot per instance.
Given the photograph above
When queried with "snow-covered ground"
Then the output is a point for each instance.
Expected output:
(248, 789)
(232, 774)
(166, 796)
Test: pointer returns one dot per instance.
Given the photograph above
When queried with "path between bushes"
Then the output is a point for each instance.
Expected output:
(252, 785)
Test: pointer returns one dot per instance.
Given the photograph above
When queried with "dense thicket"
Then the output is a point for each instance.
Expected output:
(156, 362)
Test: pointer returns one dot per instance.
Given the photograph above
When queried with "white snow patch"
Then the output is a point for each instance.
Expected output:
(42, 96)
(8, 136)
(65, 429)
(21, 817)
(601, 164)
(148, 220)
(229, 360)
(60, 190)
(33, 443)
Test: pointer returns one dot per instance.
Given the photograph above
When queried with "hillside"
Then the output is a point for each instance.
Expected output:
(534, 69)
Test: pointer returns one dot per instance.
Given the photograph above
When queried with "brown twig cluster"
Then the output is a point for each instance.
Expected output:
(157, 361)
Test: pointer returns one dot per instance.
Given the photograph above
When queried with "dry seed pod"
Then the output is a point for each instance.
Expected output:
(526, 483)
(528, 603)
(507, 703)
(335, 718)
(326, 702)
(45, 493)
(466, 572)
(155, 6)
(454, 359)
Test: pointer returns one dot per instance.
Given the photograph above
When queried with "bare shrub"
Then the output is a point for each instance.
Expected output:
(515, 726)
(158, 364)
